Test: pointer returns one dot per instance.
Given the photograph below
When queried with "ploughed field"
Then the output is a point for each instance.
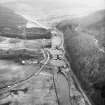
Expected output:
(84, 40)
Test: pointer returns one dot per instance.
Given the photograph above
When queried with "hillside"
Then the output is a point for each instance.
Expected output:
(94, 24)
(84, 40)
(9, 18)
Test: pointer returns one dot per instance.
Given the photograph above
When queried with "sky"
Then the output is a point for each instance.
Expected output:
(78, 6)
(48, 9)
(87, 3)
